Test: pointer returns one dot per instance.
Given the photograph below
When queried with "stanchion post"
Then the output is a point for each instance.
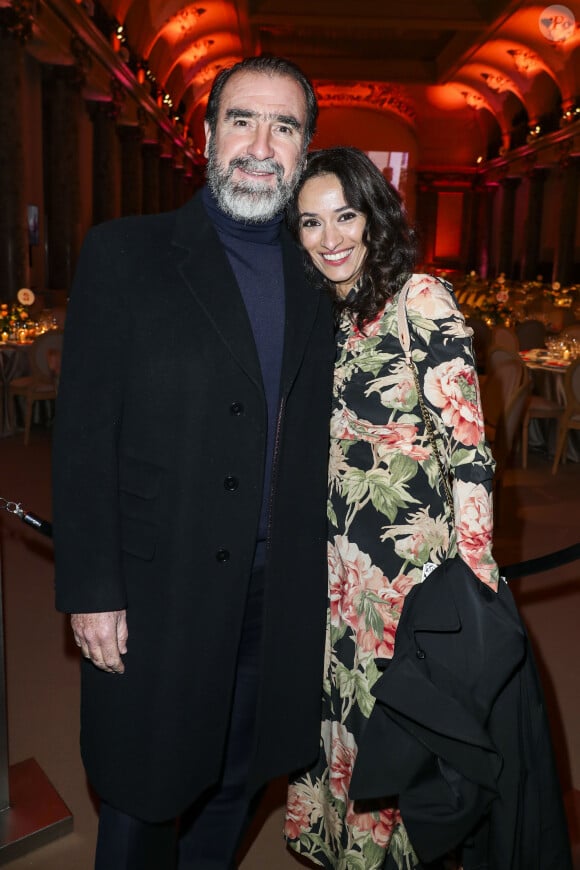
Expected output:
(4, 783)
(32, 813)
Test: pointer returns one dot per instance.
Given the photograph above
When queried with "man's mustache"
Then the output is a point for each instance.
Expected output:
(251, 164)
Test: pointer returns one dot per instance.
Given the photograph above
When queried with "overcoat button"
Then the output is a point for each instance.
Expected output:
(236, 408)
(223, 556)
(231, 483)
(421, 654)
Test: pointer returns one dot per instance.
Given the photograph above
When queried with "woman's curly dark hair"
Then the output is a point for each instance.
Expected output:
(391, 244)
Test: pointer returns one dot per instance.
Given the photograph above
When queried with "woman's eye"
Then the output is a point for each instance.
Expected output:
(348, 216)
(309, 222)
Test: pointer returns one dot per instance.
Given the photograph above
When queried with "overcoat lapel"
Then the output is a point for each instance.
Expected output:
(302, 302)
(206, 270)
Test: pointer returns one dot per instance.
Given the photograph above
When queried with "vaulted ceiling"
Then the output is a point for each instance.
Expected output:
(501, 55)
(513, 62)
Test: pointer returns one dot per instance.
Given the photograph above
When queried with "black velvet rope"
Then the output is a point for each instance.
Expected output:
(541, 563)
(510, 572)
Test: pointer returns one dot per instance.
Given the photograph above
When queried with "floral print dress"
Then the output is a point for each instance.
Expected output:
(387, 518)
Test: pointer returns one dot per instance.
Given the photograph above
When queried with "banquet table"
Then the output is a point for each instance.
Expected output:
(14, 363)
(547, 372)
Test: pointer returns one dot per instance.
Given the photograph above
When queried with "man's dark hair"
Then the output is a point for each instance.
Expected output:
(272, 66)
(391, 244)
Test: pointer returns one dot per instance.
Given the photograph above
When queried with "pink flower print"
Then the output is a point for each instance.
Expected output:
(430, 298)
(350, 571)
(474, 523)
(341, 752)
(452, 387)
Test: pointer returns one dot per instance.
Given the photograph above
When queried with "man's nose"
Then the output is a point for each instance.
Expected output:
(261, 144)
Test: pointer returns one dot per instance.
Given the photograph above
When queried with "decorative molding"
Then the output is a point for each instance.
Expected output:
(104, 57)
(82, 57)
(16, 20)
(371, 95)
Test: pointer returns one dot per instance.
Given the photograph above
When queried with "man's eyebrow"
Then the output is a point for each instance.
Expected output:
(289, 120)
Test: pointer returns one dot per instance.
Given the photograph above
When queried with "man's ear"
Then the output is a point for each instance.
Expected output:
(207, 129)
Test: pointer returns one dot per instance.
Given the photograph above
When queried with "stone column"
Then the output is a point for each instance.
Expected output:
(506, 238)
(15, 30)
(131, 169)
(188, 182)
(564, 259)
(486, 246)
(178, 186)
(166, 182)
(533, 228)
(150, 170)
(106, 161)
(471, 232)
(426, 219)
(62, 111)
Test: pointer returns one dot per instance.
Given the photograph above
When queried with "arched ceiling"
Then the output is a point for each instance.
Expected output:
(506, 57)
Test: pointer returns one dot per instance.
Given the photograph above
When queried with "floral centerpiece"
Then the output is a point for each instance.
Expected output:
(13, 317)
(500, 303)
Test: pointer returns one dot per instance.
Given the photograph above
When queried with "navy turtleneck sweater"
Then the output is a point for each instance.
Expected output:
(255, 255)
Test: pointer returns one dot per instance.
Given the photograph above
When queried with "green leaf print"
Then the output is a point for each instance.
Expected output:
(387, 498)
(314, 843)
(372, 672)
(355, 486)
(337, 632)
(364, 698)
(372, 363)
(424, 327)
(331, 514)
(463, 457)
(352, 861)
(372, 617)
(401, 850)
(374, 854)
(345, 681)
(402, 468)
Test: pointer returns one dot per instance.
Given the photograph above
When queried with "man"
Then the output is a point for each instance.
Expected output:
(190, 490)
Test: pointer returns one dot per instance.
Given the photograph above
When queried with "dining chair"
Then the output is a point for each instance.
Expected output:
(571, 331)
(506, 440)
(42, 383)
(497, 392)
(571, 415)
(497, 354)
(481, 340)
(505, 337)
(531, 334)
(540, 408)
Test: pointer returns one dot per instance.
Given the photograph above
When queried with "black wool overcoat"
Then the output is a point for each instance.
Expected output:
(161, 406)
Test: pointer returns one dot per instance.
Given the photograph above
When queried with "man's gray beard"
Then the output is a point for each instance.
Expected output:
(251, 201)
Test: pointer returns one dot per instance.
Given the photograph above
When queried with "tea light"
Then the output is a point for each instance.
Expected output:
(22, 335)
(4, 336)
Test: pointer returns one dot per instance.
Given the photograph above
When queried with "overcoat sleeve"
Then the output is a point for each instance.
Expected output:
(88, 415)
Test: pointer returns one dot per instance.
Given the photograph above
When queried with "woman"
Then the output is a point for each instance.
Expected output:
(387, 512)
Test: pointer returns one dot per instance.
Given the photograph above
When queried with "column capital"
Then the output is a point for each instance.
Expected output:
(118, 96)
(17, 19)
(67, 73)
(130, 133)
(83, 60)
(510, 182)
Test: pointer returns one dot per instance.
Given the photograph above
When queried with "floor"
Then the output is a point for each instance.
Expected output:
(538, 514)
